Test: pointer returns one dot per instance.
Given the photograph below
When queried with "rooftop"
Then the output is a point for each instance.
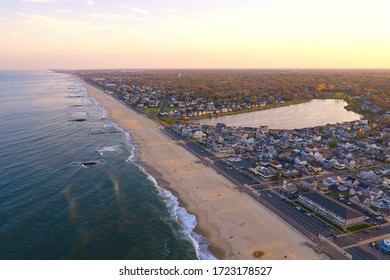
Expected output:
(332, 205)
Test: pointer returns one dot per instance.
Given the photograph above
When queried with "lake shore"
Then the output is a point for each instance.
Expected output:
(234, 224)
(315, 113)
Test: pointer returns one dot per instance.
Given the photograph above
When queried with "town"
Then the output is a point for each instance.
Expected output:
(330, 182)
(191, 94)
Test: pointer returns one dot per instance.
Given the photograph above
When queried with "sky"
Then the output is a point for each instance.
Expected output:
(95, 34)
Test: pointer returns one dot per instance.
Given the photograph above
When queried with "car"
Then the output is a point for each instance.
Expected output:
(379, 218)
(299, 208)
(373, 245)
(366, 231)
(348, 202)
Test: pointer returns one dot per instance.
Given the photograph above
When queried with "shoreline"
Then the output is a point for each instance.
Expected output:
(284, 118)
(234, 224)
(278, 106)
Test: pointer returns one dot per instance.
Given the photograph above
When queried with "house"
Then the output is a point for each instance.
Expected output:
(365, 188)
(376, 192)
(351, 182)
(266, 173)
(316, 168)
(318, 157)
(289, 172)
(386, 182)
(331, 209)
(290, 188)
(342, 188)
(310, 183)
(321, 186)
(349, 163)
(360, 199)
(339, 190)
(338, 165)
(274, 164)
(311, 148)
(300, 160)
(198, 134)
(329, 181)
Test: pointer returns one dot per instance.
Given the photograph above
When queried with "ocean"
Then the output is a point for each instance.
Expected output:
(69, 185)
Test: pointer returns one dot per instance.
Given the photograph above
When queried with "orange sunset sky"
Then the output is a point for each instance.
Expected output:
(74, 34)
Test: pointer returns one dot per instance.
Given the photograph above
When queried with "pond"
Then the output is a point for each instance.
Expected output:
(317, 112)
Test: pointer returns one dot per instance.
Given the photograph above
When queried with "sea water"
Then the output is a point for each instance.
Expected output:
(54, 206)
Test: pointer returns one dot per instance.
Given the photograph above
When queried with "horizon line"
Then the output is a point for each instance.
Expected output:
(218, 68)
(193, 68)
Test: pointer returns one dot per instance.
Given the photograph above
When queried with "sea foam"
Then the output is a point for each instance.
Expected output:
(107, 149)
(186, 221)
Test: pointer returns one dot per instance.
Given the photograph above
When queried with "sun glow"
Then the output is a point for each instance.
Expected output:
(244, 34)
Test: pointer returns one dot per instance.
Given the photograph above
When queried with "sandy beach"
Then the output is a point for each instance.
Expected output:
(234, 223)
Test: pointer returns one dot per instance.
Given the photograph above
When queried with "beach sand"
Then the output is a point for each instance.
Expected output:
(233, 222)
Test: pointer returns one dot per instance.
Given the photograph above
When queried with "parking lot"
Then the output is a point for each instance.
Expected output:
(376, 252)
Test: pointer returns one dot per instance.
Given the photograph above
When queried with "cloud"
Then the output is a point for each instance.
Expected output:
(65, 11)
(39, 1)
(38, 22)
(108, 16)
(41, 18)
(137, 10)
(89, 2)
(170, 10)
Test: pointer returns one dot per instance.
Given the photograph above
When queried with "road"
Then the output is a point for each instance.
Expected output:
(358, 253)
(301, 217)
(164, 104)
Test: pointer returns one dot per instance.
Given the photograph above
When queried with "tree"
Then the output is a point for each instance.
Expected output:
(271, 99)
(254, 99)
(321, 87)
(277, 177)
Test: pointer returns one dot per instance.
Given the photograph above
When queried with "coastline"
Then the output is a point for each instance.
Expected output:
(234, 224)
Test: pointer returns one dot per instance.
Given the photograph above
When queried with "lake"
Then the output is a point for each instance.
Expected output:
(317, 112)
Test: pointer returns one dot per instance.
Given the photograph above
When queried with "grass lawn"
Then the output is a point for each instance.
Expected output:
(152, 111)
(169, 109)
(168, 121)
(334, 225)
(358, 227)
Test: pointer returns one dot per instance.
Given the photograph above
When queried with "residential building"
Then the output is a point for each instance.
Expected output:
(331, 209)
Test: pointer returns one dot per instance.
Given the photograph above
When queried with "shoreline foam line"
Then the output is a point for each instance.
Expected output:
(215, 201)
(186, 221)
